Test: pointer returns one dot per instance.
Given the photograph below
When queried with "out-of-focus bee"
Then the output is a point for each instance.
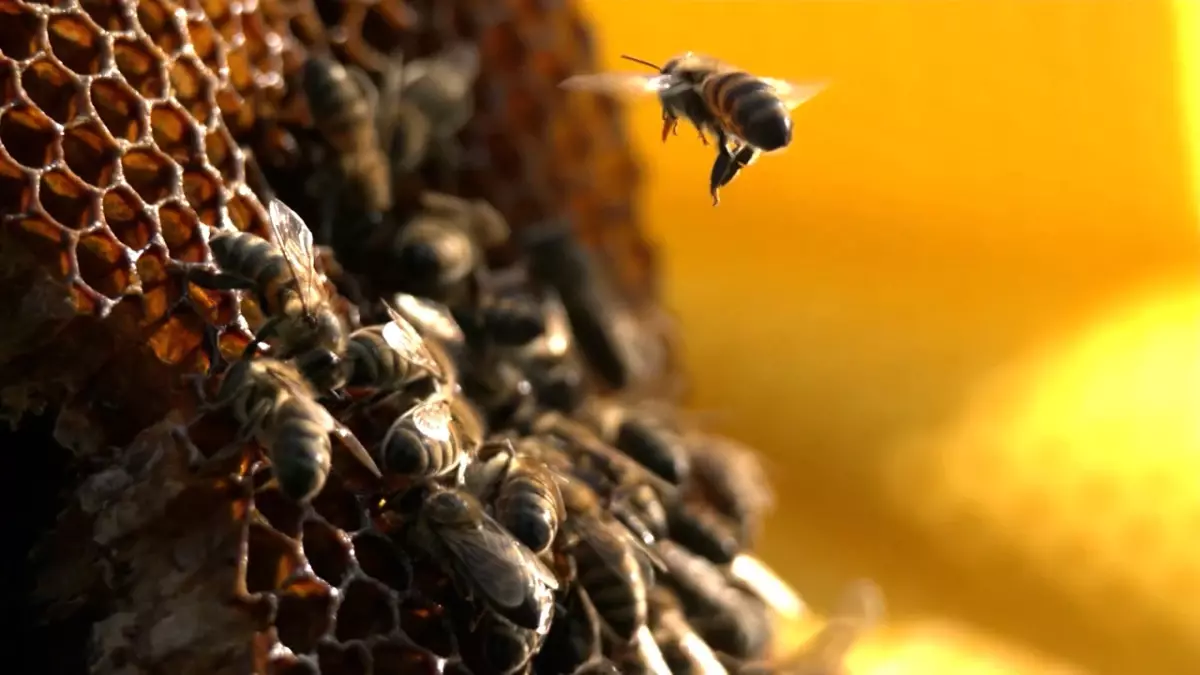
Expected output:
(524, 494)
(703, 530)
(436, 100)
(283, 277)
(433, 439)
(743, 111)
(551, 366)
(479, 553)
(345, 109)
(440, 248)
(277, 408)
(493, 644)
(574, 637)
(860, 610)
(728, 618)
(638, 434)
(731, 478)
(389, 356)
(606, 563)
(685, 651)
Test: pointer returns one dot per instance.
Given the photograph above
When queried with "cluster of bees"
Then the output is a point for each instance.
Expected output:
(581, 533)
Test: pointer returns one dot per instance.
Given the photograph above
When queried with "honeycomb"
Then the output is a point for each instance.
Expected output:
(130, 132)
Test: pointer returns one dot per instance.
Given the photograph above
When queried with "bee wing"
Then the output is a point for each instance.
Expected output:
(627, 83)
(431, 316)
(356, 448)
(432, 419)
(400, 335)
(295, 240)
(795, 94)
(496, 561)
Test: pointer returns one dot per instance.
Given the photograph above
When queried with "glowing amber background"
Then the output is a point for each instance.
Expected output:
(960, 315)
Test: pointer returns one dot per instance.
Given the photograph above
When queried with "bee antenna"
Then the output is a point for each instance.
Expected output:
(637, 60)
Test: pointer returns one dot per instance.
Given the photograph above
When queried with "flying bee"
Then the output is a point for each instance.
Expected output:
(425, 442)
(389, 356)
(685, 651)
(647, 440)
(742, 111)
(288, 290)
(479, 553)
(346, 112)
(524, 494)
(276, 407)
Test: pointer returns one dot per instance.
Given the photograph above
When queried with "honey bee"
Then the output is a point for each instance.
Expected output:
(389, 356)
(860, 609)
(747, 114)
(703, 530)
(453, 528)
(345, 109)
(277, 408)
(524, 494)
(496, 645)
(283, 277)
(435, 102)
(574, 637)
(425, 442)
(731, 478)
(647, 440)
(685, 651)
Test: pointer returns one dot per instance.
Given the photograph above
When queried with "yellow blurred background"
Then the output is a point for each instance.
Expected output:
(960, 316)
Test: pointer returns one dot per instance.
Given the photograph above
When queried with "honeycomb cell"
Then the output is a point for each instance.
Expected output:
(28, 136)
(52, 89)
(173, 132)
(327, 551)
(44, 241)
(382, 561)
(140, 66)
(207, 46)
(160, 290)
(335, 659)
(425, 624)
(178, 339)
(108, 14)
(202, 189)
(68, 200)
(247, 213)
(340, 508)
(119, 107)
(525, 109)
(16, 186)
(158, 20)
(271, 559)
(103, 265)
(366, 610)
(90, 152)
(502, 49)
(150, 173)
(192, 87)
(8, 80)
(76, 41)
(126, 216)
(399, 659)
(20, 31)
(284, 514)
(303, 618)
(181, 233)
(223, 154)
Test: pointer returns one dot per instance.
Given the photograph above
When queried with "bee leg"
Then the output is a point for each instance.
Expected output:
(356, 448)
(265, 331)
(212, 344)
(720, 169)
(670, 125)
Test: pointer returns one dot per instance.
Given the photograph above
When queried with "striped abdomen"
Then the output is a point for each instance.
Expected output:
(609, 571)
(748, 108)
(258, 260)
(375, 363)
(530, 507)
(300, 451)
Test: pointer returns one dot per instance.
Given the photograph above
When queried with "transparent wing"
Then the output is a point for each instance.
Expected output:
(860, 609)
(795, 94)
(400, 335)
(430, 316)
(626, 83)
(499, 564)
(432, 419)
(295, 240)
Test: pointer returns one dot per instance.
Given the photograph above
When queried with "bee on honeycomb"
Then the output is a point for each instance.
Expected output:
(483, 523)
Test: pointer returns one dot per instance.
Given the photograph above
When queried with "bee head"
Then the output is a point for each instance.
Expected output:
(324, 368)
(326, 329)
